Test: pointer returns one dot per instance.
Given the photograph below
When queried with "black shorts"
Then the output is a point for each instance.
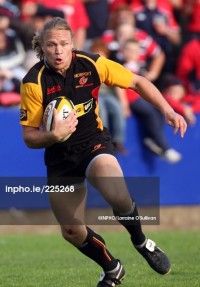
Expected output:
(73, 169)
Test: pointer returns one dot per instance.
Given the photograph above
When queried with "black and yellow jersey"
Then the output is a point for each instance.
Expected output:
(86, 73)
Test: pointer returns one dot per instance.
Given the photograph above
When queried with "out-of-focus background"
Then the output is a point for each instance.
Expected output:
(157, 39)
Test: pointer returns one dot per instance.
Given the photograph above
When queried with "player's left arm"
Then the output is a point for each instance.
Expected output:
(114, 74)
(150, 93)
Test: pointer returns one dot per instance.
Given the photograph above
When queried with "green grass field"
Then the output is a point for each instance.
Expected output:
(32, 260)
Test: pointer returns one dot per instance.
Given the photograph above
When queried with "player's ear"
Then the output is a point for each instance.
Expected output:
(73, 46)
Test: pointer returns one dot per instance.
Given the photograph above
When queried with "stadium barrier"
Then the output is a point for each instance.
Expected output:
(178, 183)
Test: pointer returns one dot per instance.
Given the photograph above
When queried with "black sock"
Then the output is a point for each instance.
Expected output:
(94, 247)
(133, 227)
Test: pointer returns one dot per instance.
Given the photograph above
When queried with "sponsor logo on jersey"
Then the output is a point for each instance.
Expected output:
(83, 81)
(84, 86)
(23, 115)
(84, 108)
(53, 89)
(83, 74)
(97, 147)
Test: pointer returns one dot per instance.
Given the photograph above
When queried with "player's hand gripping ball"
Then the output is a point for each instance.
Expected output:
(63, 107)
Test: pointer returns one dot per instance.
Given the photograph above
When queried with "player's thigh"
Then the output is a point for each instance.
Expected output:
(69, 207)
(106, 175)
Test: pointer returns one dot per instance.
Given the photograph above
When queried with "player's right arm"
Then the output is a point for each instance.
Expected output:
(31, 114)
(36, 138)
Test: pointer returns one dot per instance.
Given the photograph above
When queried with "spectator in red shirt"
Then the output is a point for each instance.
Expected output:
(12, 56)
(151, 57)
(113, 4)
(188, 66)
(183, 103)
(191, 11)
(74, 12)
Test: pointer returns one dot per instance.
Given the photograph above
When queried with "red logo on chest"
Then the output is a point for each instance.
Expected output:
(53, 89)
(83, 80)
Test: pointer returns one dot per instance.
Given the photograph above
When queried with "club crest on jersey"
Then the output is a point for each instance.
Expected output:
(83, 80)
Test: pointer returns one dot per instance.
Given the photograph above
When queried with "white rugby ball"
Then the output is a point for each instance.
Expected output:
(63, 107)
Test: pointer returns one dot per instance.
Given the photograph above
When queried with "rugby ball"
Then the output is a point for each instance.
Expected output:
(63, 106)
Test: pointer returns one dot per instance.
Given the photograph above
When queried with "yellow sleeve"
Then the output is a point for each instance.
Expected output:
(31, 110)
(114, 74)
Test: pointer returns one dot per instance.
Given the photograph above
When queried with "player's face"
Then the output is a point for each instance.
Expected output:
(57, 47)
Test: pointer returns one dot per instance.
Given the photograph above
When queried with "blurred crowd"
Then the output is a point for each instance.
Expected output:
(159, 39)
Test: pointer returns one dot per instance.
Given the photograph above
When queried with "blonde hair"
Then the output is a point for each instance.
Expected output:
(56, 23)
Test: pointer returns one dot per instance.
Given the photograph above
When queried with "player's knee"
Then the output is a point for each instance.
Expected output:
(69, 233)
(74, 234)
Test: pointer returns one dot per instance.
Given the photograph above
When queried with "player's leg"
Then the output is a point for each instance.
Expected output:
(68, 208)
(69, 212)
(105, 174)
(108, 179)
